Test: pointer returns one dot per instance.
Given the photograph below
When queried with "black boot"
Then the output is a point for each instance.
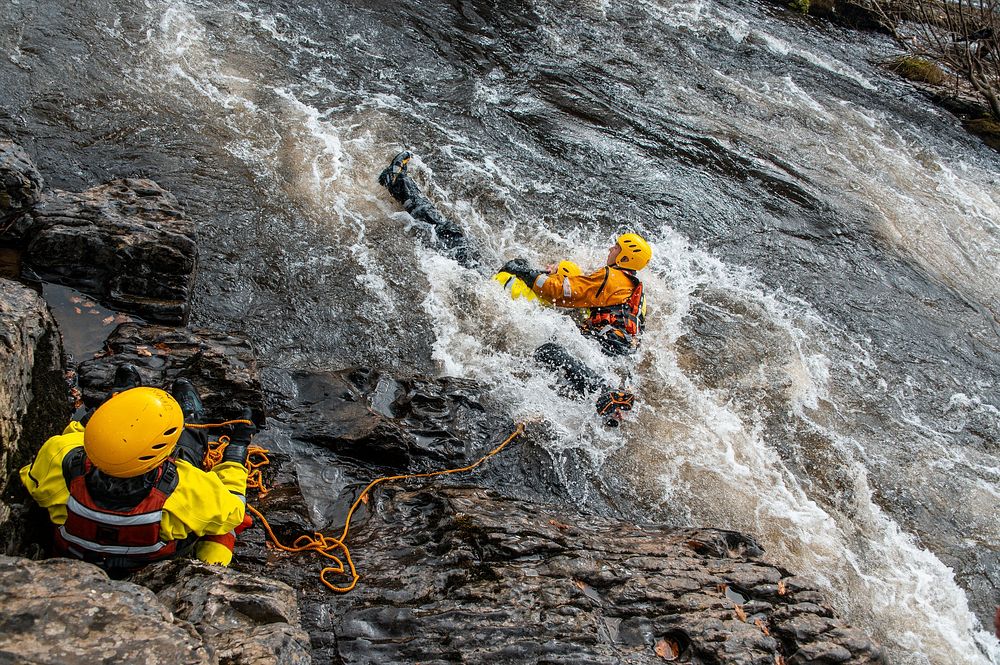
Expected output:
(395, 169)
(186, 395)
(126, 376)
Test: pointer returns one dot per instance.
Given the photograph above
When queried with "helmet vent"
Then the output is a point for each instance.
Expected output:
(170, 431)
(159, 446)
(146, 458)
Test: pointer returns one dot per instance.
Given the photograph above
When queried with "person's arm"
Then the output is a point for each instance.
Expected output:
(44, 479)
(601, 288)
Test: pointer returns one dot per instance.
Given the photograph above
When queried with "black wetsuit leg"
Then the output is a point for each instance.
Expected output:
(449, 234)
(192, 446)
(573, 372)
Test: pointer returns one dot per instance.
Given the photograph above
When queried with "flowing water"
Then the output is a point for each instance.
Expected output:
(821, 361)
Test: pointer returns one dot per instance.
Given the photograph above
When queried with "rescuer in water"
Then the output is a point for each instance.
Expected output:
(612, 296)
(125, 487)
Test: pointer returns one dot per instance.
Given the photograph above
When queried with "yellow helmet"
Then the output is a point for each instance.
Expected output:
(635, 253)
(568, 269)
(133, 432)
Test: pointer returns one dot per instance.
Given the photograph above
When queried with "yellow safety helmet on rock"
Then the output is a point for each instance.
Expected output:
(635, 252)
(133, 432)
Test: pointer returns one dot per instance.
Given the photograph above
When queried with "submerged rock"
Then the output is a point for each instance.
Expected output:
(127, 243)
(460, 575)
(20, 188)
(33, 401)
(221, 365)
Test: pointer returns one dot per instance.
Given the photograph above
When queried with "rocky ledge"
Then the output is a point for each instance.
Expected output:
(459, 574)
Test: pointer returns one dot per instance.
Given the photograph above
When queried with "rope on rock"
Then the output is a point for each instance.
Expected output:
(323, 545)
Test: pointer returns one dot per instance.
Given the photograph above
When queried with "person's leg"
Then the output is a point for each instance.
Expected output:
(572, 371)
(406, 191)
(193, 443)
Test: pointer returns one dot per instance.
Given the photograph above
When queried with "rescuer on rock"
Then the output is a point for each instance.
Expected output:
(125, 487)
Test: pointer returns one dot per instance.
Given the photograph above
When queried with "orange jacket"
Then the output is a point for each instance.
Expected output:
(604, 287)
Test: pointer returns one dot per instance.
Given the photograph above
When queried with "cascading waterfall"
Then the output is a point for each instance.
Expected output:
(784, 186)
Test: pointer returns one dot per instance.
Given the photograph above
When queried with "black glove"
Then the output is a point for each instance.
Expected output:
(522, 270)
(240, 435)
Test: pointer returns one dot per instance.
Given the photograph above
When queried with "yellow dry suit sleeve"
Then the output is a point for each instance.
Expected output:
(43, 478)
(206, 503)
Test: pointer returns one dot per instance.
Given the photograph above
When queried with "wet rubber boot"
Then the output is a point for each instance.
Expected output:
(396, 168)
(187, 396)
(126, 377)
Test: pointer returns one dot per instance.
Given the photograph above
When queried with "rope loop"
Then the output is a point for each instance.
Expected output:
(325, 546)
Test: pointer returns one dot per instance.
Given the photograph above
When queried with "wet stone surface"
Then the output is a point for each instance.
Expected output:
(127, 243)
(221, 365)
(452, 574)
(395, 423)
(20, 188)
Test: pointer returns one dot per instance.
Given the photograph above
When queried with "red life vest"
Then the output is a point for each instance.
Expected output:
(624, 320)
(114, 539)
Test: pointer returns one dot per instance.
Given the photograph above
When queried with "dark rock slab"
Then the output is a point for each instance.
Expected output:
(33, 392)
(20, 188)
(127, 243)
(61, 611)
(221, 365)
(390, 422)
(245, 619)
(452, 574)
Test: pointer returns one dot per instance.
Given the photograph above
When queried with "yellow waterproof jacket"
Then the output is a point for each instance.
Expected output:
(602, 288)
(204, 503)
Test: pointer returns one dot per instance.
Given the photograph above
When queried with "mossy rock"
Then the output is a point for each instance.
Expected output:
(800, 6)
(987, 129)
(917, 69)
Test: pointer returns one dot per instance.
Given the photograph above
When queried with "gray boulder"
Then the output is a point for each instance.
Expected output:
(61, 611)
(32, 389)
(20, 188)
(245, 619)
(398, 423)
(127, 243)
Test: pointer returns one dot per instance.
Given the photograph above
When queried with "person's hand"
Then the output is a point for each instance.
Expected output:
(240, 435)
(551, 268)
(521, 269)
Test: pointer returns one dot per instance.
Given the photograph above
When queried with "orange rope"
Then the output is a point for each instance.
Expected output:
(212, 425)
(325, 546)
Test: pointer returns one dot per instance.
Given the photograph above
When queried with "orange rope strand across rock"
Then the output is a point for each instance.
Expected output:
(325, 546)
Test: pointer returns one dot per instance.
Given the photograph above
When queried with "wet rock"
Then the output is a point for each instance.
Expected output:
(63, 611)
(127, 243)
(245, 619)
(454, 574)
(397, 423)
(20, 188)
(222, 366)
(33, 402)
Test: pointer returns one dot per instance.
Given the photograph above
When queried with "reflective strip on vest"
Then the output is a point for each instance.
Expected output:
(78, 508)
(110, 549)
(541, 280)
(567, 289)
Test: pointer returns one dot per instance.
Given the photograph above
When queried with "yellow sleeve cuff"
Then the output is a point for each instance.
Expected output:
(213, 553)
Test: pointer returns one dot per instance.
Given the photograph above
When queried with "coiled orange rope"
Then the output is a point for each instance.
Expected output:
(323, 545)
